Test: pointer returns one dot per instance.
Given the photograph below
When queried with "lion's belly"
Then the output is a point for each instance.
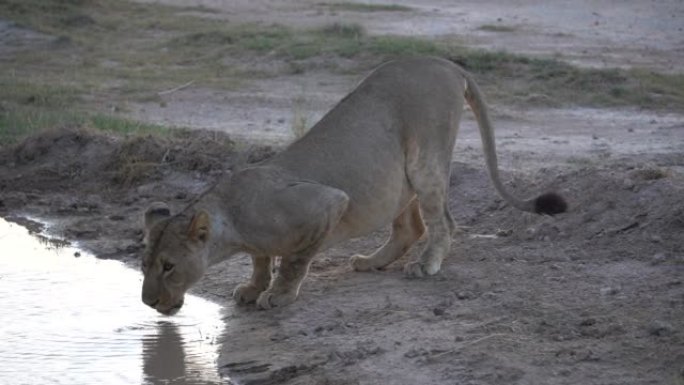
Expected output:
(373, 206)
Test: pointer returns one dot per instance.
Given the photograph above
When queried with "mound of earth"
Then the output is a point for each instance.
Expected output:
(92, 187)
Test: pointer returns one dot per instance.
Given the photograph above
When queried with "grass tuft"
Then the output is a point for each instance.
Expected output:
(364, 7)
(22, 122)
(497, 28)
(343, 31)
(564, 84)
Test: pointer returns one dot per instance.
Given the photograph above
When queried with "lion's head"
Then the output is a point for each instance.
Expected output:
(175, 257)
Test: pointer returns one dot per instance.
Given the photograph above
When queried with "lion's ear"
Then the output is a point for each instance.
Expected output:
(156, 212)
(200, 227)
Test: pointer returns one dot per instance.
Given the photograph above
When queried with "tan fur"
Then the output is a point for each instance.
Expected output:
(381, 156)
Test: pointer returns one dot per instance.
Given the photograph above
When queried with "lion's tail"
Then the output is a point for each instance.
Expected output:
(549, 203)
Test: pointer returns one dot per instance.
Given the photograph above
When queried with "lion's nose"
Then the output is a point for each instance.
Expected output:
(151, 302)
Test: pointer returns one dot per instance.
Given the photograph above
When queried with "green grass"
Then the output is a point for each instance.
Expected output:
(497, 28)
(343, 31)
(564, 84)
(364, 7)
(344, 40)
(108, 53)
(21, 122)
(118, 125)
(507, 77)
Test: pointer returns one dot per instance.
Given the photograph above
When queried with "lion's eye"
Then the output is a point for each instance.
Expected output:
(168, 266)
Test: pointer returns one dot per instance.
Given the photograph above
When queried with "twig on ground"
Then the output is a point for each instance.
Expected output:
(172, 90)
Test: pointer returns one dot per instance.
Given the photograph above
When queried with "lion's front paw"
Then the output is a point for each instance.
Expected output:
(246, 293)
(414, 270)
(360, 263)
(419, 269)
(269, 299)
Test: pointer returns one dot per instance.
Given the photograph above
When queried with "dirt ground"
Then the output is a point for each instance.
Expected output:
(593, 296)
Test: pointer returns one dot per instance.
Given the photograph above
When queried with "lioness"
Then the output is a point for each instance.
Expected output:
(380, 155)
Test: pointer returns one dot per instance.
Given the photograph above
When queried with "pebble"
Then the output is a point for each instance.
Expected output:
(659, 328)
(609, 290)
(503, 233)
(658, 258)
(588, 322)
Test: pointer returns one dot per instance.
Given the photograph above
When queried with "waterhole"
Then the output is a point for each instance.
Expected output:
(67, 317)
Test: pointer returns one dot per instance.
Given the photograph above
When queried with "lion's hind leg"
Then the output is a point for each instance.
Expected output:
(429, 178)
(407, 228)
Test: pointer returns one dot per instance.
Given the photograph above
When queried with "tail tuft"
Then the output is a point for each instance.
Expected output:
(550, 204)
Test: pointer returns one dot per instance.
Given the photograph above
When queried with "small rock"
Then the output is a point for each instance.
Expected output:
(609, 290)
(656, 238)
(77, 254)
(279, 336)
(439, 311)
(503, 233)
(462, 295)
(659, 328)
(82, 233)
(658, 258)
(413, 353)
(589, 356)
(588, 322)
(133, 247)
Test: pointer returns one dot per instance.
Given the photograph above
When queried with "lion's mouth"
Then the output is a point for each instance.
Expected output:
(169, 310)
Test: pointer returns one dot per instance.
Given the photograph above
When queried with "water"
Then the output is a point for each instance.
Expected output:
(79, 320)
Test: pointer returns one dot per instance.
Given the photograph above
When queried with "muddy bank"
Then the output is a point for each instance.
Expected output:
(92, 187)
(592, 296)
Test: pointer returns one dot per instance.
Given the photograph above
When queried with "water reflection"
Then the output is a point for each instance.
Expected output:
(67, 320)
(164, 354)
(171, 356)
